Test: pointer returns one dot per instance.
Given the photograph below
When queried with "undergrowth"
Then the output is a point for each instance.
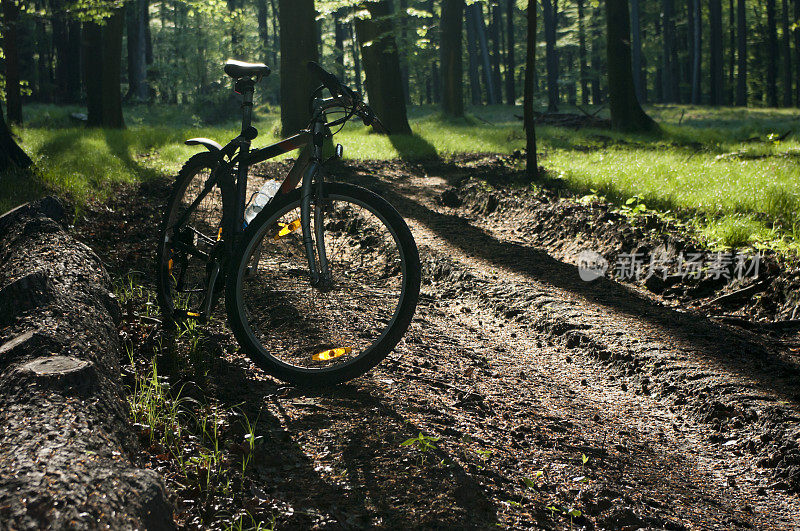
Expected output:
(733, 172)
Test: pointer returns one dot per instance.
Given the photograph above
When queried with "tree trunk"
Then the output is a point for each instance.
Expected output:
(483, 47)
(61, 52)
(772, 56)
(787, 56)
(511, 90)
(339, 36)
(668, 47)
(472, 52)
(582, 53)
(137, 51)
(10, 50)
(597, 67)
(382, 67)
(731, 91)
(741, 54)
(531, 162)
(92, 72)
(626, 112)
(551, 55)
(298, 35)
(452, 22)
(494, 31)
(111, 70)
(276, 42)
(263, 29)
(74, 62)
(402, 48)
(697, 55)
(715, 10)
(797, 54)
(11, 155)
(44, 62)
(356, 57)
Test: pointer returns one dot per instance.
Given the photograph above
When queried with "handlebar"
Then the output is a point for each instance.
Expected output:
(349, 96)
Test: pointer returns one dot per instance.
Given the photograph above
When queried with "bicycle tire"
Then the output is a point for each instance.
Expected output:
(357, 222)
(208, 214)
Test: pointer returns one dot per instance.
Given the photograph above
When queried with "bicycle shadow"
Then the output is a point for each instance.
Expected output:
(362, 477)
(735, 350)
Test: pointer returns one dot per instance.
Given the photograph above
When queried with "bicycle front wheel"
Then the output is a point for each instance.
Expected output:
(324, 335)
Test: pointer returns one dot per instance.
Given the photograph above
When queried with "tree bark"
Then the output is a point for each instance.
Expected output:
(787, 55)
(511, 90)
(452, 22)
(483, 47)
(531, 162)
(741, 55)
(11, 52)
(772, 56)
(551, 55)
(697, 56)
(382, 67)
(715, 9)
(92, 72)
(731, 90)
(298, 36)
(626, 112)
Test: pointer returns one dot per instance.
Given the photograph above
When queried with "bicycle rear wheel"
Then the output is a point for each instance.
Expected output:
(185, 247)
(322, 336)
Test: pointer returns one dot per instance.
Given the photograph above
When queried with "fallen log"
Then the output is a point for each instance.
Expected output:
(66, 459)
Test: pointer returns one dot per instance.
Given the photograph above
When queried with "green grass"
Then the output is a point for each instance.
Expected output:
(750, 197)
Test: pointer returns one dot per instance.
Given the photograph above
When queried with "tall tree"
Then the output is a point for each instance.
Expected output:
(597, 54)
(11, 155)
(531, 162)
(797, 54)
(494, 31)
(401, 50)
(339, 36)
(102, 59)
(472, 57)
(741, 54)
(787, 55)
(452, 21)
(697, 56)
(298, 37)
(772, 56)
(731, 90)
(382, 67)
(11, 52)
(551, 54)
(511, 91)
(669, 76)
(636, 48)
(137, 50)
(483, 48)
(626, 112)
(582, 53)
(715, 10)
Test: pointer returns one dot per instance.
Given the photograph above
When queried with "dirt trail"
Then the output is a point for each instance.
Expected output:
(546, 393)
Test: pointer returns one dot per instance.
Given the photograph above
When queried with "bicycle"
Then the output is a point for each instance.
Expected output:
(322, 284)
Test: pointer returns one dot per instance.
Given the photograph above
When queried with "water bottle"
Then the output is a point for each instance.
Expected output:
(260, 200)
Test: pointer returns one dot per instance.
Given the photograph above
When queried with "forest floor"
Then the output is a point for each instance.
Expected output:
(539, 400)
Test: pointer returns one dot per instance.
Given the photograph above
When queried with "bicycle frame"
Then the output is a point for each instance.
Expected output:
(305, 169)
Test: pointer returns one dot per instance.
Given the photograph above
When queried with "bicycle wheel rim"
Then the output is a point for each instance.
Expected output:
(182, 277)
(267, 347)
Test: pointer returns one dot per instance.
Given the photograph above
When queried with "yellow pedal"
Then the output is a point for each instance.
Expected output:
(287, 228)
(332, 353)
(169, 266)
(193, 314)
(219, 234)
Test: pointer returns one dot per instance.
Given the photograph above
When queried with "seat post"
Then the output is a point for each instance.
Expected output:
(246, 87)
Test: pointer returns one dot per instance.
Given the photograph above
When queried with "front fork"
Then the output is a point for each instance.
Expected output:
(312, 187)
